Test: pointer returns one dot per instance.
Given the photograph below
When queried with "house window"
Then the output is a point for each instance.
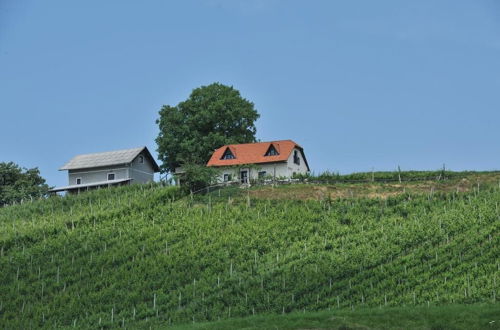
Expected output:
(228, 154)
(141, 159)
(227, 177)
(111, 176)
(78, 180)
(262, 174)
(271, 151)
(296, 158)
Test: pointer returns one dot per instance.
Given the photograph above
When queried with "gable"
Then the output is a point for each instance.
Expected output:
(297, 159)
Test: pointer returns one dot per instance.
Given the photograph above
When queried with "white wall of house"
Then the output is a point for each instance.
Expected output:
(271, 170)
(301, 167)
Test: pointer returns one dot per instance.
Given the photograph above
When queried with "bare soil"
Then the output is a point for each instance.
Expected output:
(374, 189)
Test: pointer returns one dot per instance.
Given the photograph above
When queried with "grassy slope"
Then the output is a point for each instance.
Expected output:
(466, 317)
(131, 254)
(459, 182)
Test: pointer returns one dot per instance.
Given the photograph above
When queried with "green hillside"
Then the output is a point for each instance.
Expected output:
(457, 317)
(143, 256)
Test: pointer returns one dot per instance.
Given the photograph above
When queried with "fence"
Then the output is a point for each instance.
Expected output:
(334, 179)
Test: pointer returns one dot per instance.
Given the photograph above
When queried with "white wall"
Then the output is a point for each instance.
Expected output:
(292, 167)
(271, 169)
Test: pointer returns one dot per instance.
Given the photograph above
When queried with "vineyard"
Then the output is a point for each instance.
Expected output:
(141, 255)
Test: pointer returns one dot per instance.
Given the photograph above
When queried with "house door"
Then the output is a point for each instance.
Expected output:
(244, 176)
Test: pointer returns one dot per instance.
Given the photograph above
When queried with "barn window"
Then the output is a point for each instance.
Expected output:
(228, 154)
(296, 158)
(272, 151)
(111, 176)
(141, 159)
(262, 174)
(78, 180)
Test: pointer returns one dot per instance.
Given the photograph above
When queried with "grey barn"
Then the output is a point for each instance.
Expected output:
(104, 169)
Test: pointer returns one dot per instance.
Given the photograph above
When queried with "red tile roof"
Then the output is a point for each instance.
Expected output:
(253, 153)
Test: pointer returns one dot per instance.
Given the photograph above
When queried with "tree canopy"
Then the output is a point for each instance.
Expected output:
(18, 183)
(211, 117)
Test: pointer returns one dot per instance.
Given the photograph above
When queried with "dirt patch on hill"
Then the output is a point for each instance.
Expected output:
(372, 189)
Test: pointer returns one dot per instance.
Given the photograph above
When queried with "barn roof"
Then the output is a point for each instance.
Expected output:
(254, 153)
(108, 158)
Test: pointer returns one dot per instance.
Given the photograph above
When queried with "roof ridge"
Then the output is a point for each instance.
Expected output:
(262, 142)
(106, 152)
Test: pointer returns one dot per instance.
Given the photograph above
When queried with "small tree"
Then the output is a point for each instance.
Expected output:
(18, 183)
(196, 177)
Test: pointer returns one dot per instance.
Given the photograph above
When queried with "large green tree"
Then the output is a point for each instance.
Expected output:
(18, 183)
(211, 117)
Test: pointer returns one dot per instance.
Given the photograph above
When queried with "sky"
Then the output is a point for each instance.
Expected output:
(360, 85)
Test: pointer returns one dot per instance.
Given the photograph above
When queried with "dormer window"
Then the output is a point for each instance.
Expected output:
(228, 154)
(272, 151)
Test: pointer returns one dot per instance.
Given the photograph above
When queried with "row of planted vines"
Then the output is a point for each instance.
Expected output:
(131, 254)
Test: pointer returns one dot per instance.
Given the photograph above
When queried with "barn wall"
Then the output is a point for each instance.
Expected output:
(97, 174)
(141, 173)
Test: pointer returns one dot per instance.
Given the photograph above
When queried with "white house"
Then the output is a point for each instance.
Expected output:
(261, 160)
(104, 169)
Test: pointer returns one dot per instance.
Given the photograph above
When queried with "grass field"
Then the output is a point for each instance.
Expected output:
(461, 182)
(143, 256)
(466, 317)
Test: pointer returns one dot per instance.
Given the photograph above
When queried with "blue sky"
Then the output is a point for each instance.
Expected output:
(359, 84)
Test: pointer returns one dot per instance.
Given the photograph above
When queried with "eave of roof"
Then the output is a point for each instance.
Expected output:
(88, 185)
